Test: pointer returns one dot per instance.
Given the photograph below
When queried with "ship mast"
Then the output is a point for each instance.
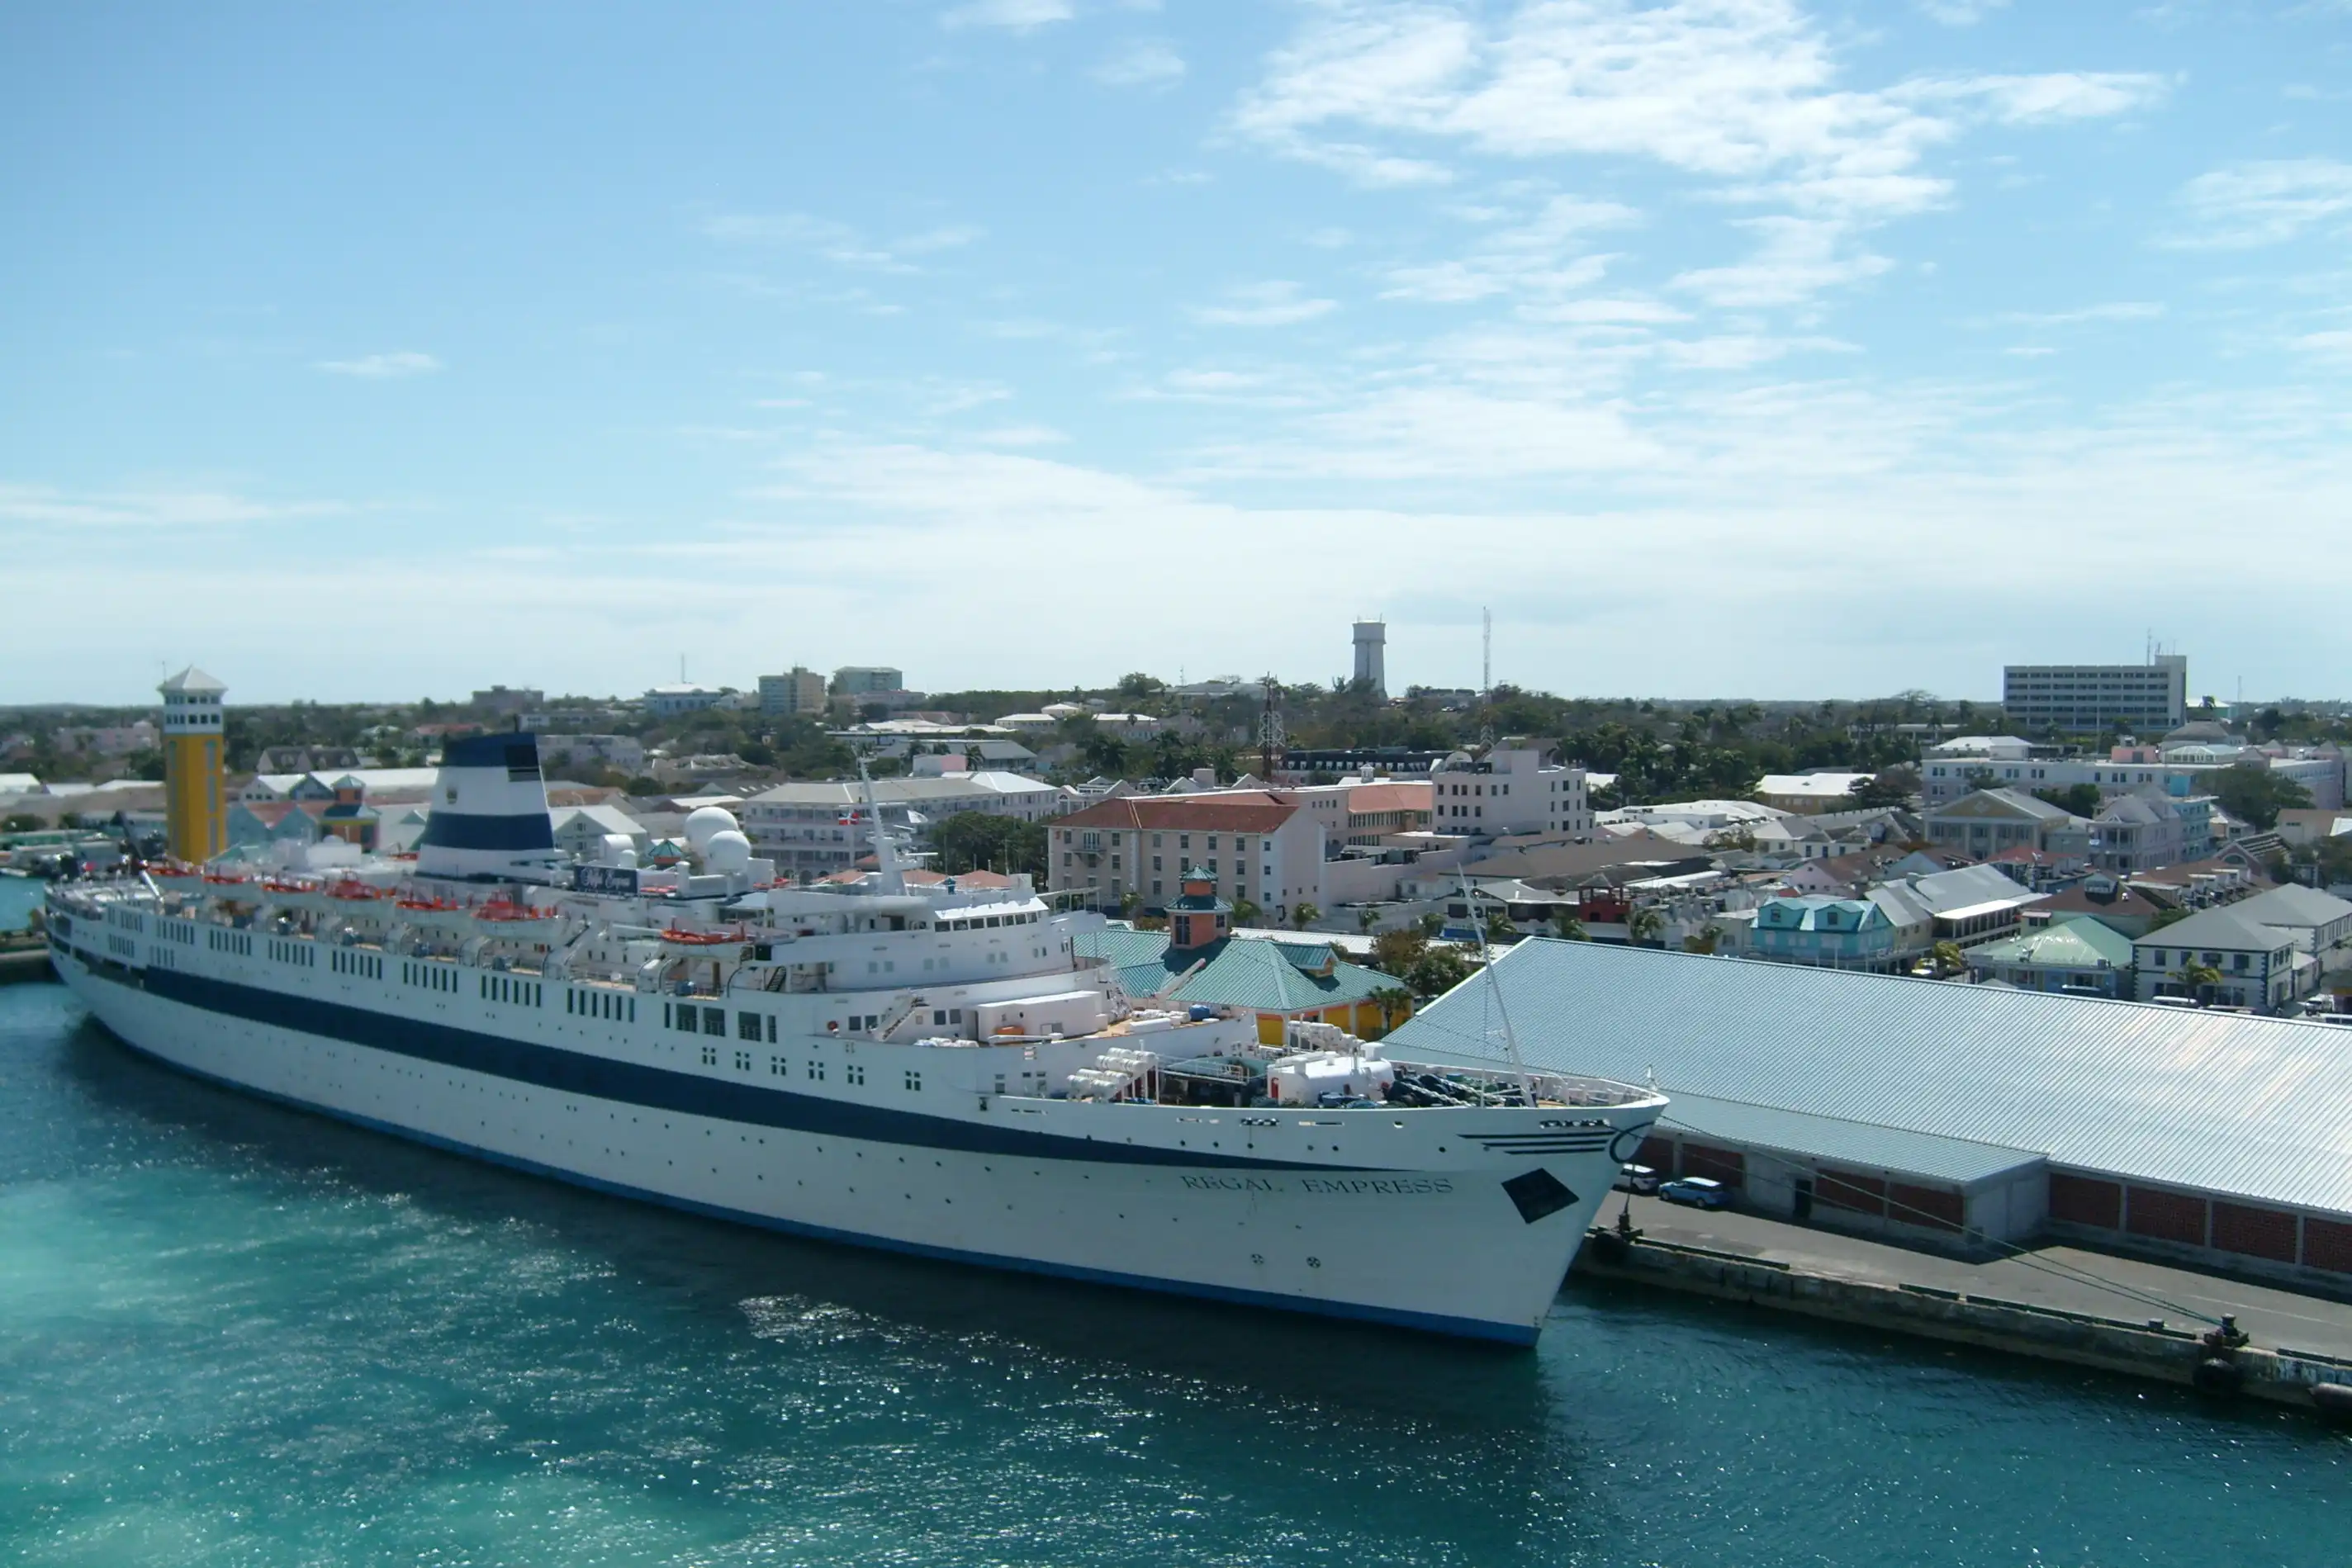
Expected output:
(886, 854)
(1495, 988)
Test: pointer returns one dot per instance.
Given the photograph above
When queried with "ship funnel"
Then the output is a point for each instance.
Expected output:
(488, 819)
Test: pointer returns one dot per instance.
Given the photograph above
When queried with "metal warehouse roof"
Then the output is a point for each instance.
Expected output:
(2254, 1107)
(1860, 1144)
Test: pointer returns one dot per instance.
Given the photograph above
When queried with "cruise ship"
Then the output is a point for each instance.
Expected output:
(894, 1061)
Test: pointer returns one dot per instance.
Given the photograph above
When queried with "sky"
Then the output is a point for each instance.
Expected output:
(1728, 348)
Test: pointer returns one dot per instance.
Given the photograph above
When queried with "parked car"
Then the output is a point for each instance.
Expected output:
(1636, 1178)
(1699, 1192)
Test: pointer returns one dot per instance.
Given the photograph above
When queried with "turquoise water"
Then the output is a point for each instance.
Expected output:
(19, 896)
(231, 1334)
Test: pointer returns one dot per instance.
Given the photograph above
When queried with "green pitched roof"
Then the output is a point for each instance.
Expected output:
(1141, 959)
(2064, 945)
(1279, 978)
(1264, 976)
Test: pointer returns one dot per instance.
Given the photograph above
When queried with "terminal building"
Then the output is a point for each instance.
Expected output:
(1960, 1115)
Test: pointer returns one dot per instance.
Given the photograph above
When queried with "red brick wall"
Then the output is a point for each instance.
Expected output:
(2256, 1232)
(1933, 1207)
(1842, 1190)
(1723, 1165)
(2080, 1201)
(2165, 1215)
(2328, 1244)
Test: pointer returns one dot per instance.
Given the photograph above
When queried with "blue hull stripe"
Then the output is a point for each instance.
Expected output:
(475, 831)
(1519, 1335)
(657, 1088)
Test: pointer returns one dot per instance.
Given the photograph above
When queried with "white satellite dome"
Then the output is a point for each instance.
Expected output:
(706, 822)
(620, 849)
(728, 852)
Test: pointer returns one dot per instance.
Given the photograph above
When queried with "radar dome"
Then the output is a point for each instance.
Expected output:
(728, 852)
(705, 823)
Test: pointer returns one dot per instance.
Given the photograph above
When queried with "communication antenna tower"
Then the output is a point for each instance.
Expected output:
(1487, 657)
(1270, 737)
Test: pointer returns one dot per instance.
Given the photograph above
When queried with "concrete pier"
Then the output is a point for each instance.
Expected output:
(2040, 1304)
(22, 964)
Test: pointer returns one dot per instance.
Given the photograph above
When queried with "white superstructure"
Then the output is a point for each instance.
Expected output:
(928, 1071)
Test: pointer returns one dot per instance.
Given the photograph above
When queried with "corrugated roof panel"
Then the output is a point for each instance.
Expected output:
(2253, 1107)
(1858, 1143)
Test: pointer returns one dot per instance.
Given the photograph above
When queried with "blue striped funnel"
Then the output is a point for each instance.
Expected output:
(488, 819)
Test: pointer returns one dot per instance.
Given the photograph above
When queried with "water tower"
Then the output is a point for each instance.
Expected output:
(1371, 655)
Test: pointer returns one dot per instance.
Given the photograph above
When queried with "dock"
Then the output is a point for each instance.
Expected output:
(24, 962)
(2053, 1303)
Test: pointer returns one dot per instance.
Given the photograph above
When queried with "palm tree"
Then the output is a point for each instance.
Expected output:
(1568, 928)
(1430, 923)
(2199, 980)
(1245, 912)
(1366, 918)
(1947, 958)
(1499, 927)
(1303, 915)
(1705, 939)
(1128, 902)
(1394, 1003)
(1644, 926)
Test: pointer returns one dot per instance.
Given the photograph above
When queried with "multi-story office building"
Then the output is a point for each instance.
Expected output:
(2087, 698)
(1511, 790)
(868, 680)
(802, 690)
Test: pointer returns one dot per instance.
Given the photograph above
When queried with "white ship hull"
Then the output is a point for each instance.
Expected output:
(1403, 1219)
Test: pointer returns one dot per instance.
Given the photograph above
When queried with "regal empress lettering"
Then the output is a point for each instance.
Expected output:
(1387, 1187)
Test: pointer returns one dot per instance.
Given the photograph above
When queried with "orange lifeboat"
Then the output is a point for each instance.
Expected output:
(702, 938)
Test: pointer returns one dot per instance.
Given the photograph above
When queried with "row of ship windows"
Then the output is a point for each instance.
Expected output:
(687, 1019)
(294, 953)
(432, 975)
(507, 988)
(367, 965)
(602, 1005)
(238, 942)
(813, 1069)
(976, 922)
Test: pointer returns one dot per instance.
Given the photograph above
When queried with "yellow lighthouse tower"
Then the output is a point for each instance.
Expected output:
(196, 819)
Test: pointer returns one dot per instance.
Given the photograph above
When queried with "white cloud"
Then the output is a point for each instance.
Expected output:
(1959, 13)
(1146, 62)
(1020, 435)
(1799, 259)
(1280, 303)
(1743, 92)
(2334, 345)
(2046, 99)
(949, 238)
(167, 507)
(383, 367)
(2113, 310)
(2259, 204)
(837, 242)
(1621, 312)
(1536, 259)
(1018, 15)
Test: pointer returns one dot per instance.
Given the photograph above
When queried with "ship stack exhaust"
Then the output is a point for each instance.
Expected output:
(489, 821)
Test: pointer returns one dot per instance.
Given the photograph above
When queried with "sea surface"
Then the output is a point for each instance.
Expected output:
(19, 896)
(234, 1334)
